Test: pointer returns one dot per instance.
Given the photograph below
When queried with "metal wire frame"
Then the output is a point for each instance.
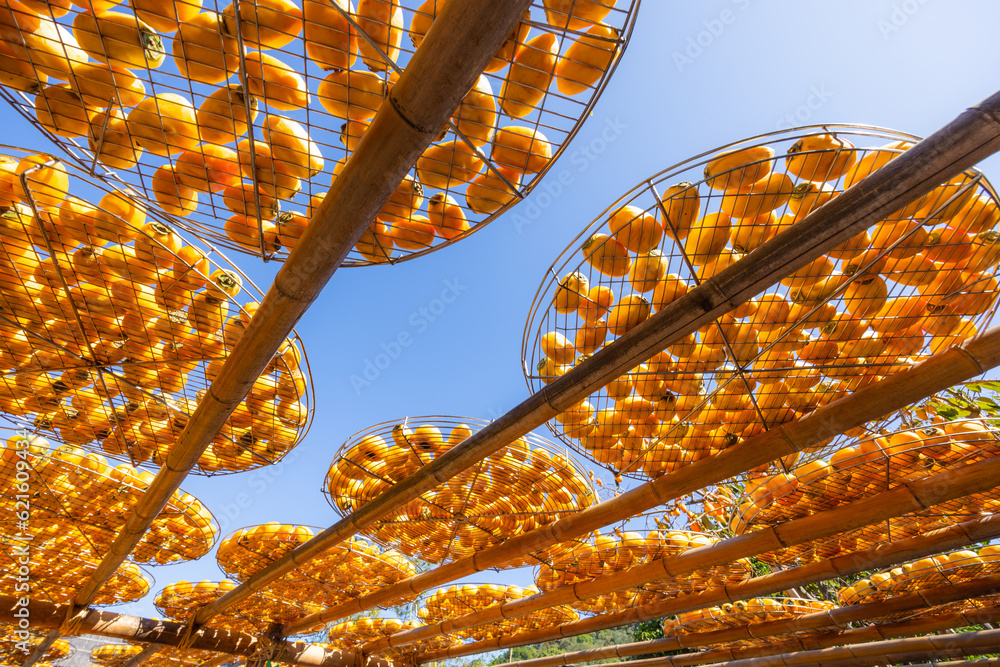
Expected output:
(920, 574)
(869, 465)
(859, 473)
(466, 598)
(11, 655)
(85, 502)
(57, 569)
(735, 378)
(630, 547)
(343, 572)
(351, 634)
(179, 601)
(69, 311)
(558, 114)
(483, 505)
(754, 610)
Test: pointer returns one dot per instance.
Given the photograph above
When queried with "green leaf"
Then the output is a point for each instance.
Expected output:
(948, 412)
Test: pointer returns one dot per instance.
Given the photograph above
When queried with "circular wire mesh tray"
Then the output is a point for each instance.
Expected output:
(58, 568)
(346, 571)
(526, 484)
(118, 655)
(930, 572)
(351, 634)
(10, 654)
(917, 282)
(77, 497)
(627, 548)
(462, 599)
(740, 613)
(112, 326)
(179, 601)
(870, 466)
(138, 120)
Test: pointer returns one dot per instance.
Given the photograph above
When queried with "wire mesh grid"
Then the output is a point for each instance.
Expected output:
(462, 599)
(180, 601)
(343, 572)
(352, 634)
(938, 571)
(118, 655)
(969, 607)
(11, 654)
(58, 567)
(525, 484)
(628, 547)
(176, 128)
(113, 326)
(911, 285)
(79, 499)
(870, 466)
(741, 613)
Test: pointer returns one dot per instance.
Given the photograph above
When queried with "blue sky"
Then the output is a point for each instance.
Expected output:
(696, 75)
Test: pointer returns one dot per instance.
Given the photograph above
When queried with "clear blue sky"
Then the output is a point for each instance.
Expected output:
(696, 75)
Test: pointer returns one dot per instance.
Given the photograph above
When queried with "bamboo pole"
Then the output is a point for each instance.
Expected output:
(454, 53)
(40, 650)
(913, 496)
(870, 653)
(143, 655)
(876, 632)
(170, 633)
(871, 632)
(935, 374)
(884, 555)
(971, 137)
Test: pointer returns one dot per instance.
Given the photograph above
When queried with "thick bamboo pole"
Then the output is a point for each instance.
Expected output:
(169, 633)
(838, 618)
(906, 498)
(935, 374)
(869, 633)
(40, 650)
(890, 651)
(885, 555)
(971, 137)
(446, 66)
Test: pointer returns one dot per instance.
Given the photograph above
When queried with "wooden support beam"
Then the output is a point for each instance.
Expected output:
(935, 374)
(913, 496)
(885, 555)
(45, 615)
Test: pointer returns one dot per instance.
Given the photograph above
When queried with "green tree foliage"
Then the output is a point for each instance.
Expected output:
(623, 635)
